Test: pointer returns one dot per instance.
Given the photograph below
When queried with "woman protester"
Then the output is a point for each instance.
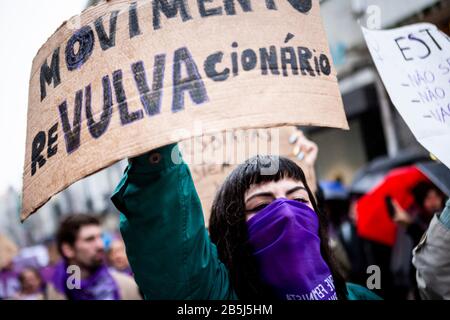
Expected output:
(267, 239)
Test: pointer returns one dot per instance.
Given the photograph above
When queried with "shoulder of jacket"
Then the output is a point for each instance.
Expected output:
(436, 234)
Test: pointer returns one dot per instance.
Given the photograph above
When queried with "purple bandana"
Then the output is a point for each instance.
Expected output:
(284, 236)
(99, 286)
(9, 284)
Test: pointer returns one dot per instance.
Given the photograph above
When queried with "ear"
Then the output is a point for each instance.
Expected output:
(67, 251)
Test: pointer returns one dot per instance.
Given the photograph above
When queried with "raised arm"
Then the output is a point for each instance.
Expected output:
(162, 224)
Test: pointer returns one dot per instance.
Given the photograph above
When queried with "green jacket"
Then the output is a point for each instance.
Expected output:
(167, 244)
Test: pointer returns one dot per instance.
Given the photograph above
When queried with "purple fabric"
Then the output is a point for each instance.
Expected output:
(286, 244)
(99, 286)
(9, 284)
(47, 273)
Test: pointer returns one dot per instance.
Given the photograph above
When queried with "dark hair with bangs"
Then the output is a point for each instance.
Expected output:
(228, 228)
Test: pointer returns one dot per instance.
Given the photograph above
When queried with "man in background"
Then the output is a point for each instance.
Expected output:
(83, 274)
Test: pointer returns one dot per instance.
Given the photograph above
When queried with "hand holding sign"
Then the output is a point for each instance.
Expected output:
(305, 152)
(304, 148)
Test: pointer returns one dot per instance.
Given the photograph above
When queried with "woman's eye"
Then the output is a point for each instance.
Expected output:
(303, 200)
(258, 208)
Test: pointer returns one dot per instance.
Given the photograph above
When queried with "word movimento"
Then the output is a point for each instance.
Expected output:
(79, 47)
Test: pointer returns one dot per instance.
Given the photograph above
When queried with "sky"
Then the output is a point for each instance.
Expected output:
(25, 25)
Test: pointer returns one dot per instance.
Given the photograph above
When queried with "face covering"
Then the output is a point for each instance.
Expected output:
(285, 239)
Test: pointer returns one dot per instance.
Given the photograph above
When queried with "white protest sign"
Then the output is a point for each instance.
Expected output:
(414, 64)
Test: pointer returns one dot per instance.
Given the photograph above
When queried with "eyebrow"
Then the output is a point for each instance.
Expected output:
(90, 238)
(295, 189)
(270, 194)
(261, 194)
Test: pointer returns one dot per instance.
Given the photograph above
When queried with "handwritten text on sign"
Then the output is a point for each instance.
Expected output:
(135, 72)
(414, 64)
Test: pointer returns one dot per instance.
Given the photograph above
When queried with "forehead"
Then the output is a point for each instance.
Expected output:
(28, 273)
(88, 231)
(274, 187)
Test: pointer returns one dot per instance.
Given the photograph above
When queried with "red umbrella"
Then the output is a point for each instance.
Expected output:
(373, 220)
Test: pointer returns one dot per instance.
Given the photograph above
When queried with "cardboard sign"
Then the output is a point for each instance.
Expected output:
(133, 74)
(414, 64)
(212, 158)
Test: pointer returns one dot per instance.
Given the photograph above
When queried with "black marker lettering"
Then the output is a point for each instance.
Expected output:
(304, 56)
(248, 60)
(170, 10)
(403, 49)
(97, 129)
(134, 21)
(151, 99)
(230, 7)
(204, 12)
(52, 147)
(72, 133)
(432, 38)
(107, 41)
(288, 56)
(49, 74)
(303, 6)
(125, 116)
(210, 67)
(269, 61)
(234, 60)
(38, 145)
(270, 4)
(325, 65)
(192, 83)
(85, 38)
(413, 38)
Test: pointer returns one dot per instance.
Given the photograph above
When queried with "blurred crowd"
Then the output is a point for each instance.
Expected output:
(43, 271)
(80, 263)
(390, 235)
(356, 253)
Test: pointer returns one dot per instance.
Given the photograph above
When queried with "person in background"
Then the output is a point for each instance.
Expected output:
(431, 258)
(81, 246)
(332, 199)
(117, 256)
(412, 224)
(9, 281)
(31, 285)
(428, 201)
(357, 249)
(54, 258)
